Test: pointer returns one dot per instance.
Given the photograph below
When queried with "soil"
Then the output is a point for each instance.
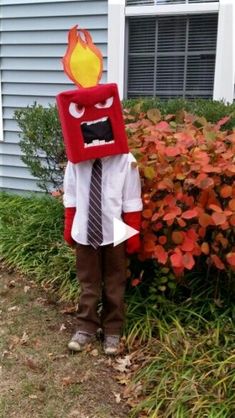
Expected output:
(39, 377)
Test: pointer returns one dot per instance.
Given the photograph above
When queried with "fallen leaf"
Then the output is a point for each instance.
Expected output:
(123, 364)
(13, 308)
(24, 339)
(68, 380)
(33, 397)
(117, 397)
(26, 289)
(32, 364)
(94, 352)
(62, 328)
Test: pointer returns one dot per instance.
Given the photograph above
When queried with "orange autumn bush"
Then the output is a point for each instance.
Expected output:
(187, 167)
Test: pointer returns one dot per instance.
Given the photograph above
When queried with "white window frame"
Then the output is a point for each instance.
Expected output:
(225, 50)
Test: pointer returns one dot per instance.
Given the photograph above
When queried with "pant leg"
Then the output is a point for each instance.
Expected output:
(114, 283)
(90, 279)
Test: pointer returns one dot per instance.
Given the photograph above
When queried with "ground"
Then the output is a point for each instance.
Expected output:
(39, 377)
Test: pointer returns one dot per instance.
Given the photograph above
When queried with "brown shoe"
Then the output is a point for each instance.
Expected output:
(111, 344)
(79, 340)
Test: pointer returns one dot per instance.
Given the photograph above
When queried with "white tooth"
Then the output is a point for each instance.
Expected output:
(85, 145)
(95, 142)
(102, 142)
(91, 122)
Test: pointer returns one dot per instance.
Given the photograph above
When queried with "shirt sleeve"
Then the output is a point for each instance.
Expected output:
(132, 201)
(69, 197)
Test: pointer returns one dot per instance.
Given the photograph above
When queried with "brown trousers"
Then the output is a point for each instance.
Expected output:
(102, 276)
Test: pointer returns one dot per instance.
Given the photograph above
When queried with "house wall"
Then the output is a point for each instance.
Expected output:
(33, 40)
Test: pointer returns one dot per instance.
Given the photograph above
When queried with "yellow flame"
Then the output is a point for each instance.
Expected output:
(83, 61)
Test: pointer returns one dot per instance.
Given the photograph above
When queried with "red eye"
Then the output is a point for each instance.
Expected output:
(105, 103)
(76, 110)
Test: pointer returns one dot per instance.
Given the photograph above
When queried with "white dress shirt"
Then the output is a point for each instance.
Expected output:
(121, 192)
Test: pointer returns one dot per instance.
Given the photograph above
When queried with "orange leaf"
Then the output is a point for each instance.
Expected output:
(206, 183)
(147, 213)
(222, 121)
(219, 218)
(181, 222)
(158, 226)
(177, 237)
(188, 244)
(231, 204)
(172, 213)
(202, 232)
(155, 217)
(149, 246)
(135, 282)
(162, 239)
(205, 248)
(231, 259)
(216, 208)
(226, 191)
(160, 254)
(232, 220)
(188, 261)
(189, 214)
(217, 262)
(177, 260)
(163, 126)
(205, 220)
(172, 151)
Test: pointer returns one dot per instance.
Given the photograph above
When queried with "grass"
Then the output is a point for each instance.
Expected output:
(182, 348)
(185, 362)
(32, 242)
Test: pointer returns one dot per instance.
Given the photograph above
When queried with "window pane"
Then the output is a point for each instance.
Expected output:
(141, 74)
(171, 34)
(200, 73)
(142, 35)
(172, 56)
(170, 75)
(202, 33)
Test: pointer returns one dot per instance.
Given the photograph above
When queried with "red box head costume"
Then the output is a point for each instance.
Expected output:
(91, 117)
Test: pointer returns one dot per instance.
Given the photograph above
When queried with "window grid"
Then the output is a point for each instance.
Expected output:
(187, 72)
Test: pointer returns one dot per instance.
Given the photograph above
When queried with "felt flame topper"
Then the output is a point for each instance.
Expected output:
(91, 116)
(83, 61)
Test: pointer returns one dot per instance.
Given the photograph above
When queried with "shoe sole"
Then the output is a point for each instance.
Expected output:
(73, 346)
(111, 351)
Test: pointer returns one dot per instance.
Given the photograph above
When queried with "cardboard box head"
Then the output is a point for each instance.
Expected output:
(92, 122)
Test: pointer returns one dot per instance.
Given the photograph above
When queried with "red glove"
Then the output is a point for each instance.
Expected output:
(133, 219)
(69, 214)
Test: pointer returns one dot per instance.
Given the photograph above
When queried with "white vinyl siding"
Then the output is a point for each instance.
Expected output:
(33, 41)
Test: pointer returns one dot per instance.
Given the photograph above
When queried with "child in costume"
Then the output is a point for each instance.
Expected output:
(101, 184)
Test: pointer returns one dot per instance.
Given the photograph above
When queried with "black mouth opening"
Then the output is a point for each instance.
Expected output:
(97, 132)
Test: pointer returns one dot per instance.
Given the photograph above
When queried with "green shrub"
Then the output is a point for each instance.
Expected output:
(41, 137)
(42, 145)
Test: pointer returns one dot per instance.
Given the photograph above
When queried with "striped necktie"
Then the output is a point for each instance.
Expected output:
(94, 227)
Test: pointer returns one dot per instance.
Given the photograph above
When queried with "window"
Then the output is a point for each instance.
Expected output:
(158, 2)
(171, 56)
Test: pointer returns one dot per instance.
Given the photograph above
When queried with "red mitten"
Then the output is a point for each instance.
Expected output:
(69, 214)
(133, 219)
